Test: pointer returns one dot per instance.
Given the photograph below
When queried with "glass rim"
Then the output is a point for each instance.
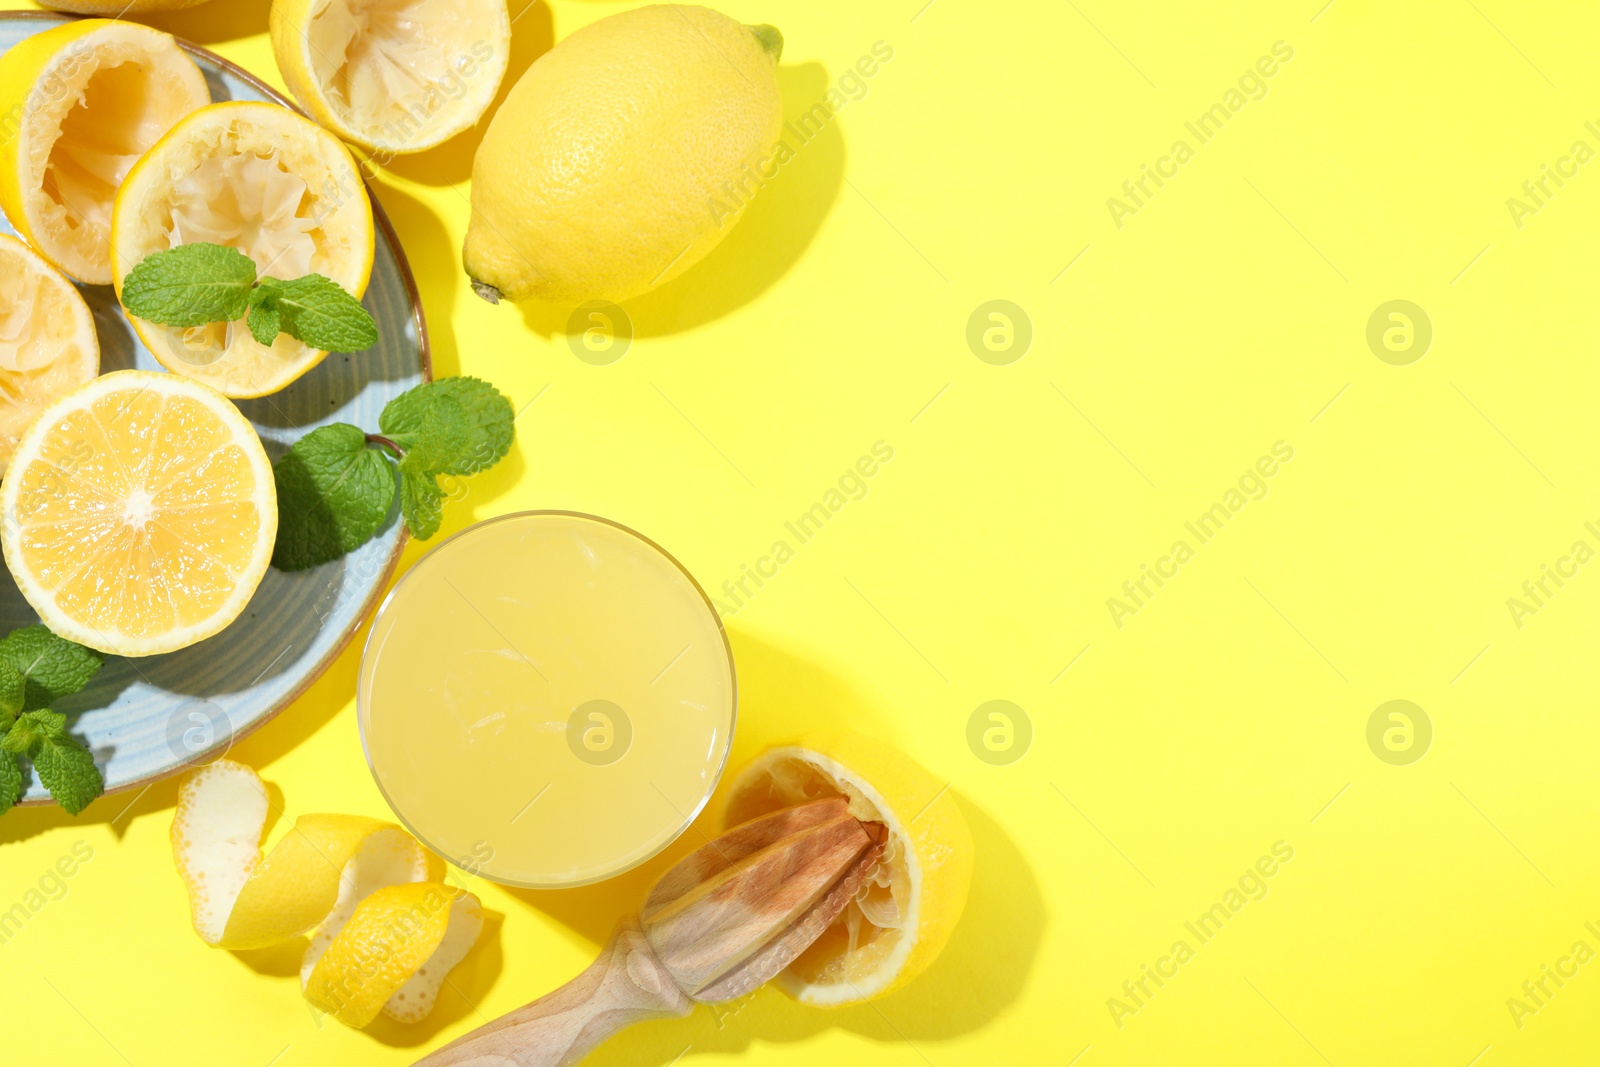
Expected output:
(733, 695)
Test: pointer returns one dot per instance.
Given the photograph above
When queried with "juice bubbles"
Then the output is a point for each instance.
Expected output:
(546, 698)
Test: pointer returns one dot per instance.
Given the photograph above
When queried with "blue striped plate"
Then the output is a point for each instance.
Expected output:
(151, 717)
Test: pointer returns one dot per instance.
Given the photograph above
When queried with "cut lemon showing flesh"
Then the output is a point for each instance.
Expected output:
(393, 75)
(384, 930)
(139, 513)
(268, 182)
(82, 102)
(906, 911)
(48, 345)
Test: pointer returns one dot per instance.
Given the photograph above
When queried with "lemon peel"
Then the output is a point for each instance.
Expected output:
(384, 930)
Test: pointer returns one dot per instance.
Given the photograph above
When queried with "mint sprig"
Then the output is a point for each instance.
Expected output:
(201, 283)
(37, 668)
(338, 483)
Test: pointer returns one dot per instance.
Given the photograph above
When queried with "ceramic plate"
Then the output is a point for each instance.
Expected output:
(147, 718)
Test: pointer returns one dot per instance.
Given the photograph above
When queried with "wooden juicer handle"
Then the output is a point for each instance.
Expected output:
(719, 924)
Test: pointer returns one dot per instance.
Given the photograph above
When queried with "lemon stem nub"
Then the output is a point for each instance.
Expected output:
(770, 39)
(487, 291)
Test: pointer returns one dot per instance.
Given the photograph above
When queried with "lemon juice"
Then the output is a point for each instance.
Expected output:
(547, 699)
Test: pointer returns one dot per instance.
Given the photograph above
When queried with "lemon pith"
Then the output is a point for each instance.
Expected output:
(262, 179)
(395, 76)
(906, 913)
(596, 179)
(48, 345)
(139, 513)
(83, 102)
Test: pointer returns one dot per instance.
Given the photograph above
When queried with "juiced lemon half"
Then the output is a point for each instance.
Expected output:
(262, 179)
(139, 513)
(48, 345)
(81, 103)
(905, 913)
(393, 75)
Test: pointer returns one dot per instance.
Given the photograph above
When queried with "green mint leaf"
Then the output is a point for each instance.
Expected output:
(265, 322)
(421, 502)
(445, 436)
(487, 410)
(190, 285)
(318, 311)
(51, 666)
(63, 764)
(13, 693)
(12, 782)
(333, 495)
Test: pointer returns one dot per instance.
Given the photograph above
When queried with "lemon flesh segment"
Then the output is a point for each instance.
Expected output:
(139, 513)
(90, 97)
(48, 345)
(384, 929)
(908, 907)
(395, 76)
(261, 179)
(599, 176)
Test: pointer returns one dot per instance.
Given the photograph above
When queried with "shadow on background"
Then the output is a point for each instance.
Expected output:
(213, 23)
(981, 971)
(767, 238)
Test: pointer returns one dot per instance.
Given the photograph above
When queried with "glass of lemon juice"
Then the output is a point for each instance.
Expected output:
(547, 699)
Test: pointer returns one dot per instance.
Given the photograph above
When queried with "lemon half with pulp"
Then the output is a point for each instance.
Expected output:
(262, 179)
(139, 513)
(904, 915)
(80, 104)
(48, 346)
(394, 76)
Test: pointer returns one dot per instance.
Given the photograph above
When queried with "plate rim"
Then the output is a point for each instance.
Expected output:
(425, 351)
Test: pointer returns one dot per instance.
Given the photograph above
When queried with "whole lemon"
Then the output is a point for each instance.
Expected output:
(612, 164)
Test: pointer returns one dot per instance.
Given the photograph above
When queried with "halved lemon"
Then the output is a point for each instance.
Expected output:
(262, 179)
(393, 75)
(48, 346)
(81, 103)
(904, 916)
(138, 513)
(384, 930)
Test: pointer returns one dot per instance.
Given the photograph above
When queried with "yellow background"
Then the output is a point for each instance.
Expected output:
(1229, 713)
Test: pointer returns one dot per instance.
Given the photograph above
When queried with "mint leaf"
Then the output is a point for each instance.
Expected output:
(12, 782)
(190, 285)
(63, 764)
(488, 411)
(333, 494)
(445, 435)
(265, 323)
(421, 502)
(13, 693)
(52, 667)
(318, 311)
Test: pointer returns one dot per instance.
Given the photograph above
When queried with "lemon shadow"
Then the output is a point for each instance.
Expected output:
(435, 265)
(981, 971)
(215, 23)
(767, 237)
(532, 35)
